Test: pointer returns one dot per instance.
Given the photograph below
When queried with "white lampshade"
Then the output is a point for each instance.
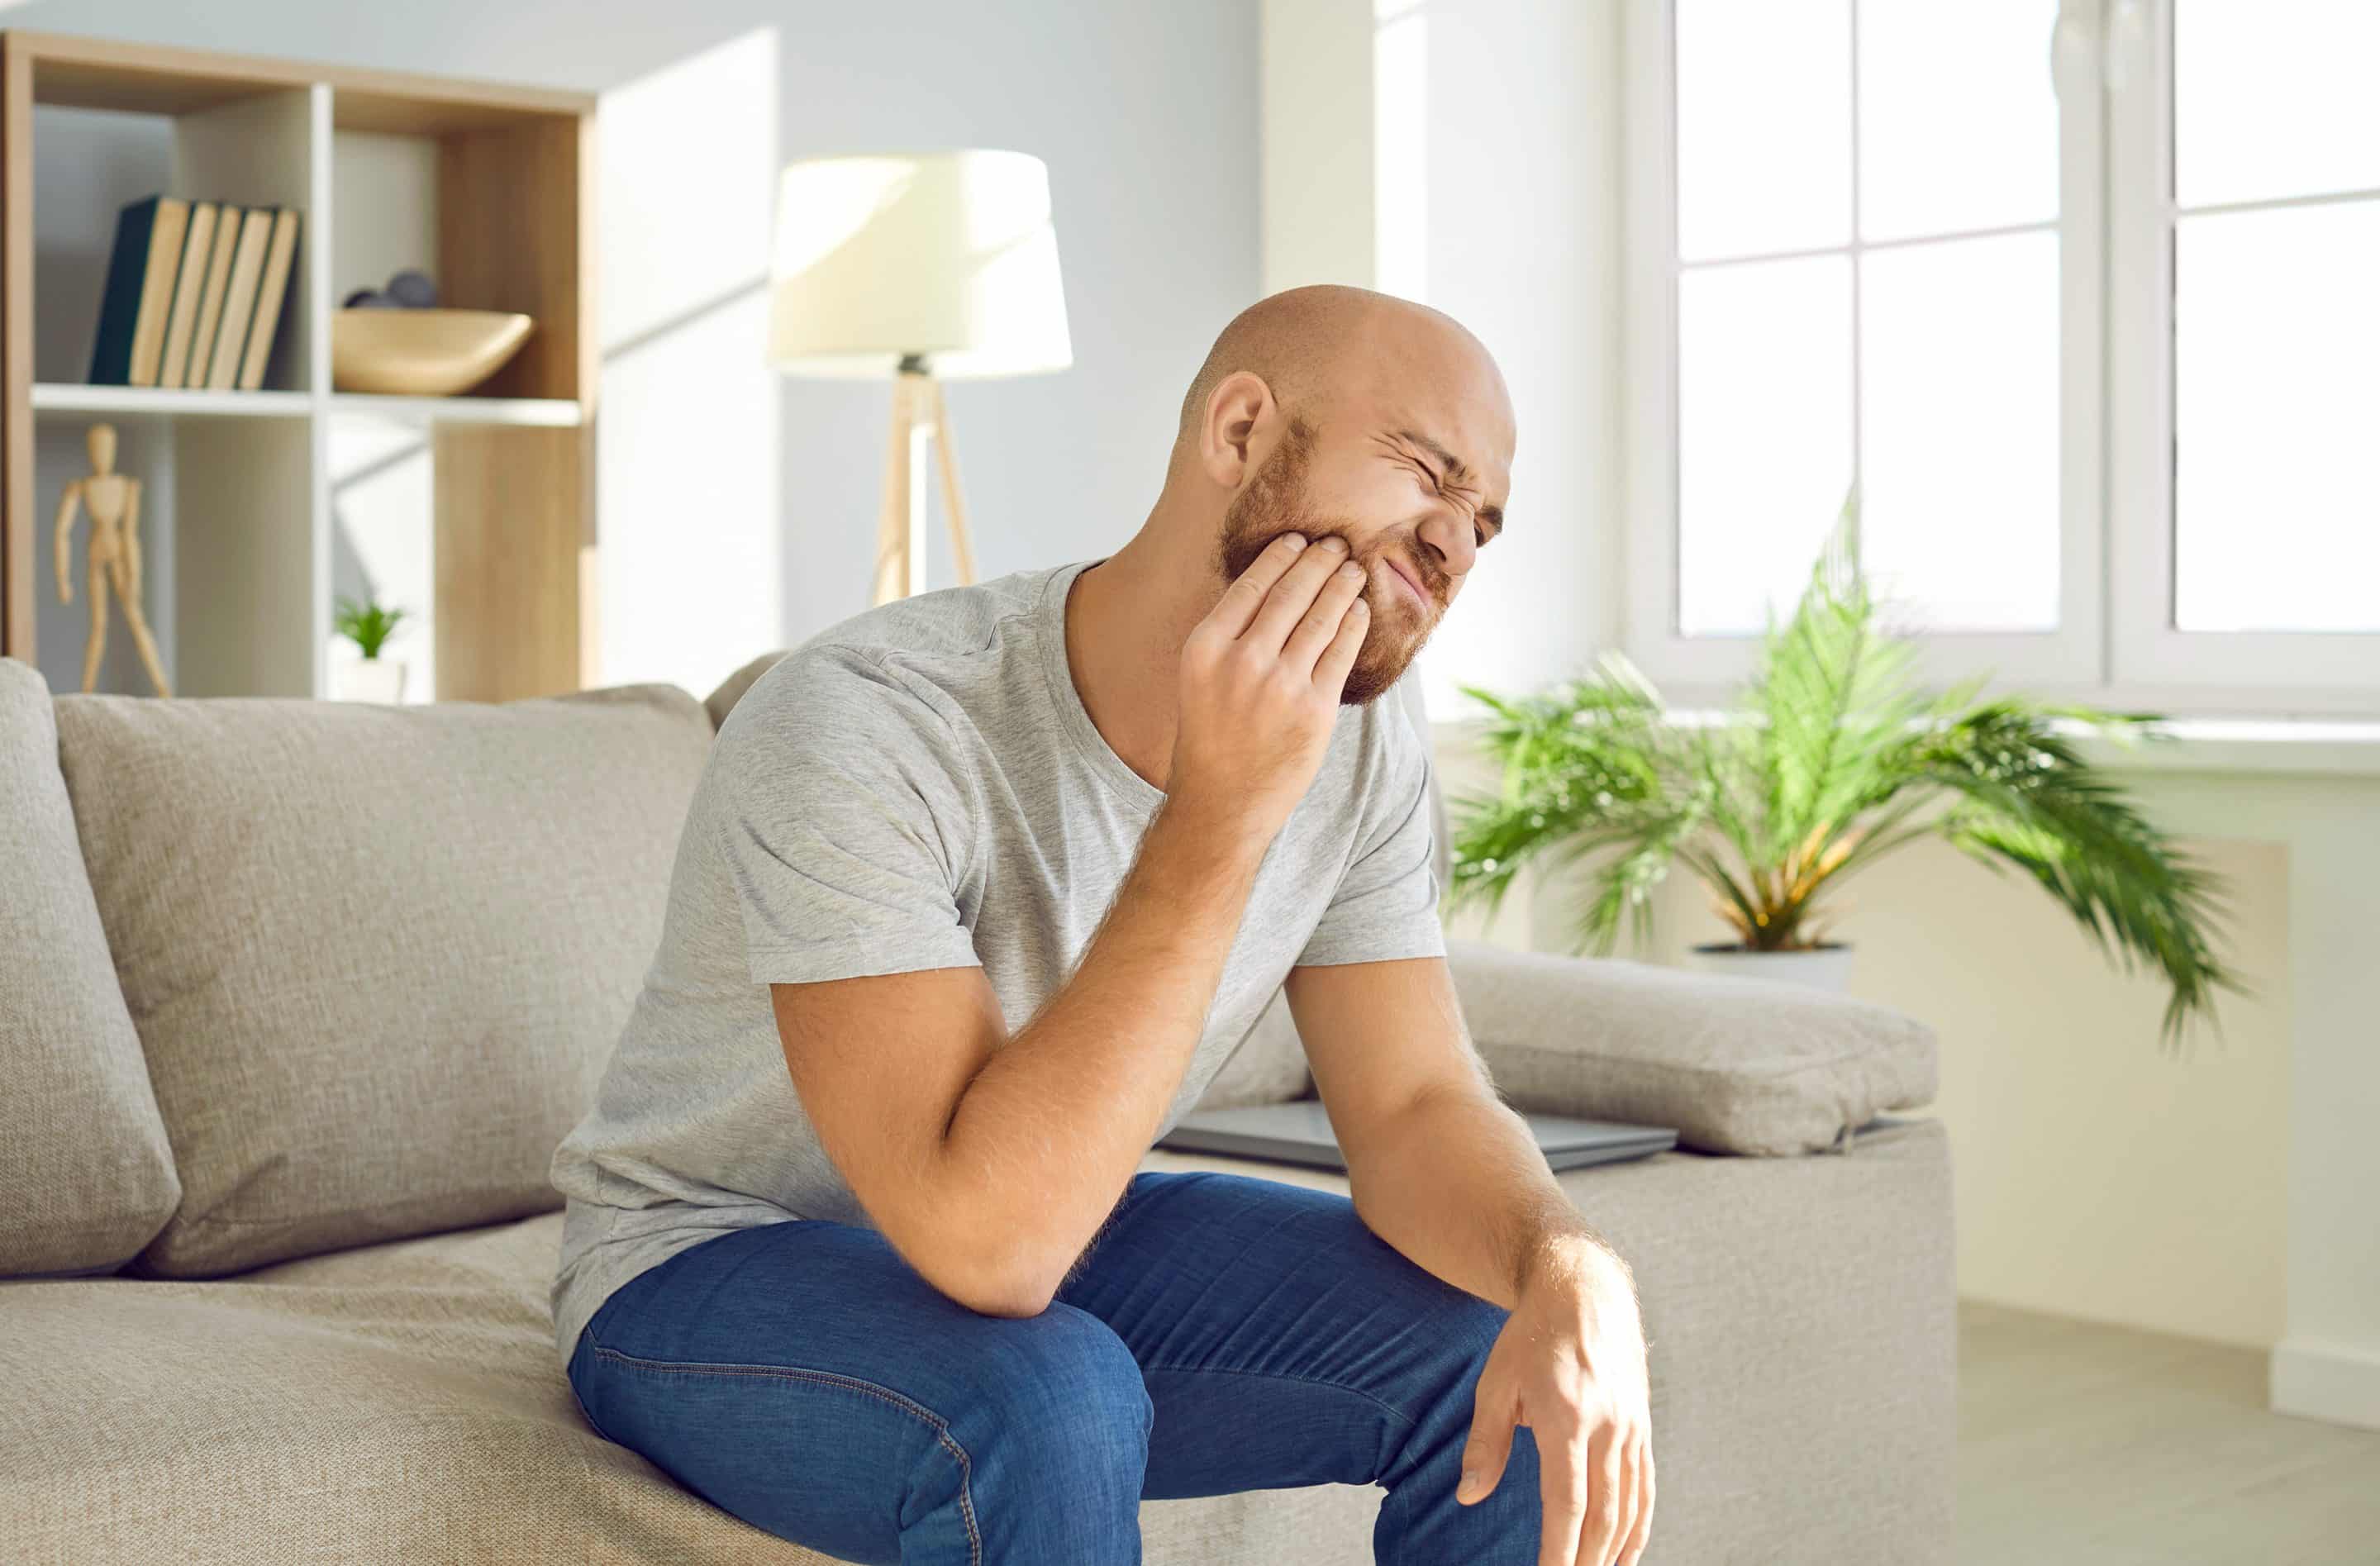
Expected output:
(949, 256)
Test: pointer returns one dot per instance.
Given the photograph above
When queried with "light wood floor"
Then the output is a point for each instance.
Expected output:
(2082, 1445)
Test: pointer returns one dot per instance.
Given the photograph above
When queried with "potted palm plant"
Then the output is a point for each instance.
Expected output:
(370, 677)
(1831, 760)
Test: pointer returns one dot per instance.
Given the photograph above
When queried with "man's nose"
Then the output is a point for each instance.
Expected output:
(1448, 531)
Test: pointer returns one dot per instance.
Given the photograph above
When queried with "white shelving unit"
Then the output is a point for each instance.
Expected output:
(486, 188)
(147, 402)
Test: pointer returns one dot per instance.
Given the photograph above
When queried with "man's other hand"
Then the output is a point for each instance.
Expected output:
(1570, 1364)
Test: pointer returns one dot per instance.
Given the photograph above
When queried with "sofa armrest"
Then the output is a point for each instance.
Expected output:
(1737, 1066)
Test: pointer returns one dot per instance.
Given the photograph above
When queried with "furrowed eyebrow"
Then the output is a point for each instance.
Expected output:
(1456, 470)
(1455, 467)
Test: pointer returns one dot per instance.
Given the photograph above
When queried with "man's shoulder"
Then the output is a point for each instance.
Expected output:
(902, 666)
(945, 622)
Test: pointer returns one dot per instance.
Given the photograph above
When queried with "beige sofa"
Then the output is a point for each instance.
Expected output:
(297, 999)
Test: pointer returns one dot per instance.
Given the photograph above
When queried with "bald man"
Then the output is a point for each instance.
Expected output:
(978, 892)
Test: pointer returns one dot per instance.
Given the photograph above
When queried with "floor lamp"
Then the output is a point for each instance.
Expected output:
(924, 267)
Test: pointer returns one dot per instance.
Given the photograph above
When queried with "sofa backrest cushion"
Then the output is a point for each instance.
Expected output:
(378, 956)
(86, 1169)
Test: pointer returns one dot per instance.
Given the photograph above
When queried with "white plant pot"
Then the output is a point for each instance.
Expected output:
(1827, 967)
(368, 679)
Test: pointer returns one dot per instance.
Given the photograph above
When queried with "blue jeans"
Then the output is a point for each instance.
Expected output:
(1222, 1335)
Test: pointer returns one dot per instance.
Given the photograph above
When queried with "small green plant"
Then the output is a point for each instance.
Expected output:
(366, 625)
(1831, 760)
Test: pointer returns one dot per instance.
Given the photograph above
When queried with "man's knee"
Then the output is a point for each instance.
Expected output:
(1063, 1407)
(1468, 1328)
(1461, 1329)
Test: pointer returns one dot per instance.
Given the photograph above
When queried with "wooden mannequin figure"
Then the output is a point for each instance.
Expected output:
(114, 502)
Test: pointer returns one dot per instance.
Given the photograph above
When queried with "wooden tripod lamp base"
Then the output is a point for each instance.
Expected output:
(918, 420)
(936, 266)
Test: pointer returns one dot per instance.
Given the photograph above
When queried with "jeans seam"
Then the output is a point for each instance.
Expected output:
(932, 1421)
(584, 1412)
(1389, 1408)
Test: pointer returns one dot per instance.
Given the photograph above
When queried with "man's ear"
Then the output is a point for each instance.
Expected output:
(1239, 412)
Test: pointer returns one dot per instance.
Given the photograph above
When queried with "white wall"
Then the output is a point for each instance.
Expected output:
(715, 509)
(1316, 180)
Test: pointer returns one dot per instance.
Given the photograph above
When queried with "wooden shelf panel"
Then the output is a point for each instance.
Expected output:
(543, 413)
(94, 73)
(149, 402)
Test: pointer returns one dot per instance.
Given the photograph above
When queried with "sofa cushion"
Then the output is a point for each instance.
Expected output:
(731, 690)
(378, 956)
(86, 1170)
(1738, 1065)
(397, 1403)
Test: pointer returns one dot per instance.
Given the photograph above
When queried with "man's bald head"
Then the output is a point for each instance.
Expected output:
(1305, 342)
(1339, 411)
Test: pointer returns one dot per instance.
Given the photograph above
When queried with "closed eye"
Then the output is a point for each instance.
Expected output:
(1480, 537)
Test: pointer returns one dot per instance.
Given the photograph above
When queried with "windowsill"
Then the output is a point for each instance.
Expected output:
(2277, 746)
(2308, 745)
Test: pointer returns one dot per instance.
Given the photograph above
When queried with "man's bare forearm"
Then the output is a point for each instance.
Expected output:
(1487, 1221)
(1045, 1136)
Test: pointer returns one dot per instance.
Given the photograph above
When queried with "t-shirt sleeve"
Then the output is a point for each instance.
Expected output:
(844, 823)
(1385, 906)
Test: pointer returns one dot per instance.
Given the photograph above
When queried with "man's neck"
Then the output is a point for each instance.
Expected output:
(1126, 619)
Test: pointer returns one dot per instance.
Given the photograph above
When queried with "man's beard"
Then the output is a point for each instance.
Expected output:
(1274, 503)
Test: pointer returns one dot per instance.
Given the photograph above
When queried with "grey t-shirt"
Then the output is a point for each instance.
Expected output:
(921, 787)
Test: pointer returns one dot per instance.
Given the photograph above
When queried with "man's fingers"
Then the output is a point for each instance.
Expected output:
(1490, 1446)
(1626, 1488)
(1319, 627)
(1330, 669)
(1246, 594)
(1562, 1481)
(1294, 594)
(1643, 1528)
(1599, 1540)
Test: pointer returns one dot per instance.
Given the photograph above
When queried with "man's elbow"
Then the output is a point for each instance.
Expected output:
(990, 1277)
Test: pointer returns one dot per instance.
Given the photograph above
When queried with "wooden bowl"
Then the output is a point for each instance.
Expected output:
(421, 353)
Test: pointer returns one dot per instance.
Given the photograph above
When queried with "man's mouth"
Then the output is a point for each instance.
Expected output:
(1420, 598)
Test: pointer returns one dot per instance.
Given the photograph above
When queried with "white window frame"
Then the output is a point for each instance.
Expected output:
(2115, 643)
(2310, 672)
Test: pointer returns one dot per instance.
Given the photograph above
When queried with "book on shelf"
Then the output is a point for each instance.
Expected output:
(240, 298)
(138, 294)
(210, 295)
(190, 279)
(270, 292)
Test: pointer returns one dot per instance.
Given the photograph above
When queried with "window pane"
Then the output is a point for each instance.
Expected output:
(2274, 98)
(1958, 121)
(1960, 431)
(1764, 435)
(2277, 502)
(1763, 126)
